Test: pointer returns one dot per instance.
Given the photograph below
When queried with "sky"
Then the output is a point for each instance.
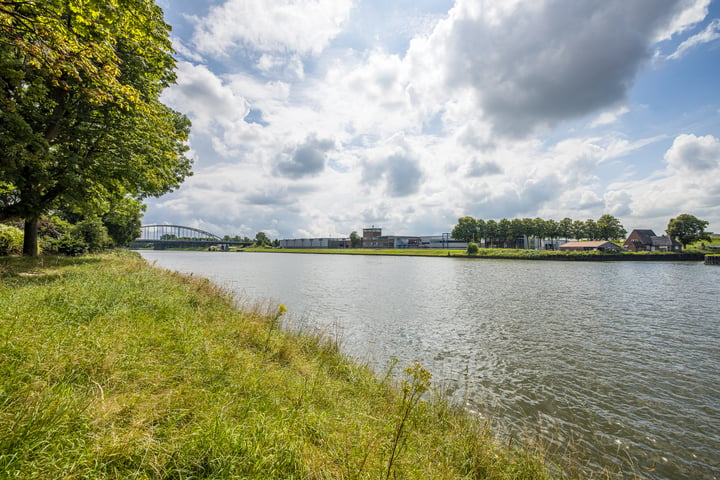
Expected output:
(316, 118)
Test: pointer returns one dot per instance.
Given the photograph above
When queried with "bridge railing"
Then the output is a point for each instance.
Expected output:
(175, 232)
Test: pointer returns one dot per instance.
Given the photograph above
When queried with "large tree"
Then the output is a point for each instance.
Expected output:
(610, 228)
(355, 239)
(687, 229)
(124, 221)
(81, 123)
(465, 230)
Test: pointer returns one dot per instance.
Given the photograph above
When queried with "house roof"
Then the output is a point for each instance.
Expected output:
(591, 244)
(663, 241)
(645, 236)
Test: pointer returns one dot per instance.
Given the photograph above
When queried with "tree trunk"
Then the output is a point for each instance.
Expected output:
(30, 242)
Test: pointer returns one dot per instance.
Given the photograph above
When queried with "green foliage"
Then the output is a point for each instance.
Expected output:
(69, 245)
(11, 240)
(687, 229)
(355, 240)
(465, 230)
(502, 253)
(609, 228)
(472, 248)
(261, 240)
(505, 233)
(93, 233)
(81, 124)
(414, 386)
(123, 221)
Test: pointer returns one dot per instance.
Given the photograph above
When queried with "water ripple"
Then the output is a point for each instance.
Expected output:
(614, 364)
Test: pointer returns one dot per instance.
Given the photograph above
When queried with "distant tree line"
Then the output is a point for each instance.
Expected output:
(507, 233)
(261, 240)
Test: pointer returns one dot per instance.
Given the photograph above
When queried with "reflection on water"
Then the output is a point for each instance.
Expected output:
(617, 362)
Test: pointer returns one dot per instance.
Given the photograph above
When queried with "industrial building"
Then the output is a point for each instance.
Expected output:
(373, 238)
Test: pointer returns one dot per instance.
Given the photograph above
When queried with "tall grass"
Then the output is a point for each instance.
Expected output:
(498, 253)
(110, 368)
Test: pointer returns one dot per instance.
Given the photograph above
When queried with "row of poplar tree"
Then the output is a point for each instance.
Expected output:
(507, 233)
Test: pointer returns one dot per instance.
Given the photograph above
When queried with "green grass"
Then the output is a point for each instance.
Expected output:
(499, 253)
(110, 368)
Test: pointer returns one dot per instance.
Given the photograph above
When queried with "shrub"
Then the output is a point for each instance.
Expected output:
(11, 240)
(472, 248)
(93, 233)
(68, 245)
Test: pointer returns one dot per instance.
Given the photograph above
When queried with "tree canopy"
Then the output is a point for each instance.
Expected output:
(81, 122)
(609, 228)
(687, 229)
(261, 240)
(355, 239)
(506, 232)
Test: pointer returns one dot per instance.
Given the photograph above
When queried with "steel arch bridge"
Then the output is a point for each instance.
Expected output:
(160, 237)
(175, 232)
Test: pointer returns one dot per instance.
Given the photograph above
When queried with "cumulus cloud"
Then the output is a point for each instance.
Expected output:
(483, 168)
(618, 203)
(535, 64)
(400, 174)
(437, 126)
(184, 51)
(691, 13)
(688, 182)
(696, 154)
(403, 176)
(204, 98)
(281, 65)
(277, 195)
(307, 159)
(271, 25)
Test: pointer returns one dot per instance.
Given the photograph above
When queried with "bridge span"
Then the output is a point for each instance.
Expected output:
(161, 237)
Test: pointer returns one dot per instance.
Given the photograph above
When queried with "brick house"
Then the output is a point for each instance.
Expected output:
(647, 241)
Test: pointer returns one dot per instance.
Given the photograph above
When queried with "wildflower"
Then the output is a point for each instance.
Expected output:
(282, 309)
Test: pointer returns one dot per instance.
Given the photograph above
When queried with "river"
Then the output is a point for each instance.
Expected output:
(616, 364)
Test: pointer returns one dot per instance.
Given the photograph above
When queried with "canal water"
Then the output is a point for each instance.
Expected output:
(616, 364)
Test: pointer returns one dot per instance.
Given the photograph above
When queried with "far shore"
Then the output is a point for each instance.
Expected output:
(496, 253)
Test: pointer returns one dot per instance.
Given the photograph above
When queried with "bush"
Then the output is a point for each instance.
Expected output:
(93, 233)
(11, 240)
(472, 248)
(68, 245)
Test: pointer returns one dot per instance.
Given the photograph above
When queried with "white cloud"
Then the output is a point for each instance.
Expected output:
(690, 13)
(304, 26)
(689, 182)
(535, 64)
(183, 51)
(711, 32)
(618, 203)
(283, 65)
(307, 159)
(204, 97)
(699, 155)
(609, 117)
(412, 138)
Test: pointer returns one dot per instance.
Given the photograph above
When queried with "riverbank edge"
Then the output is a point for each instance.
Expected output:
(114, 368)
(524, 255)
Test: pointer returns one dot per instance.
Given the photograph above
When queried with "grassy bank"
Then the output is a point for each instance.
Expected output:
(499, 253)
(112, 369)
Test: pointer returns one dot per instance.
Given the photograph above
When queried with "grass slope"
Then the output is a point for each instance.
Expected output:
(497, 253)
(110, 368)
